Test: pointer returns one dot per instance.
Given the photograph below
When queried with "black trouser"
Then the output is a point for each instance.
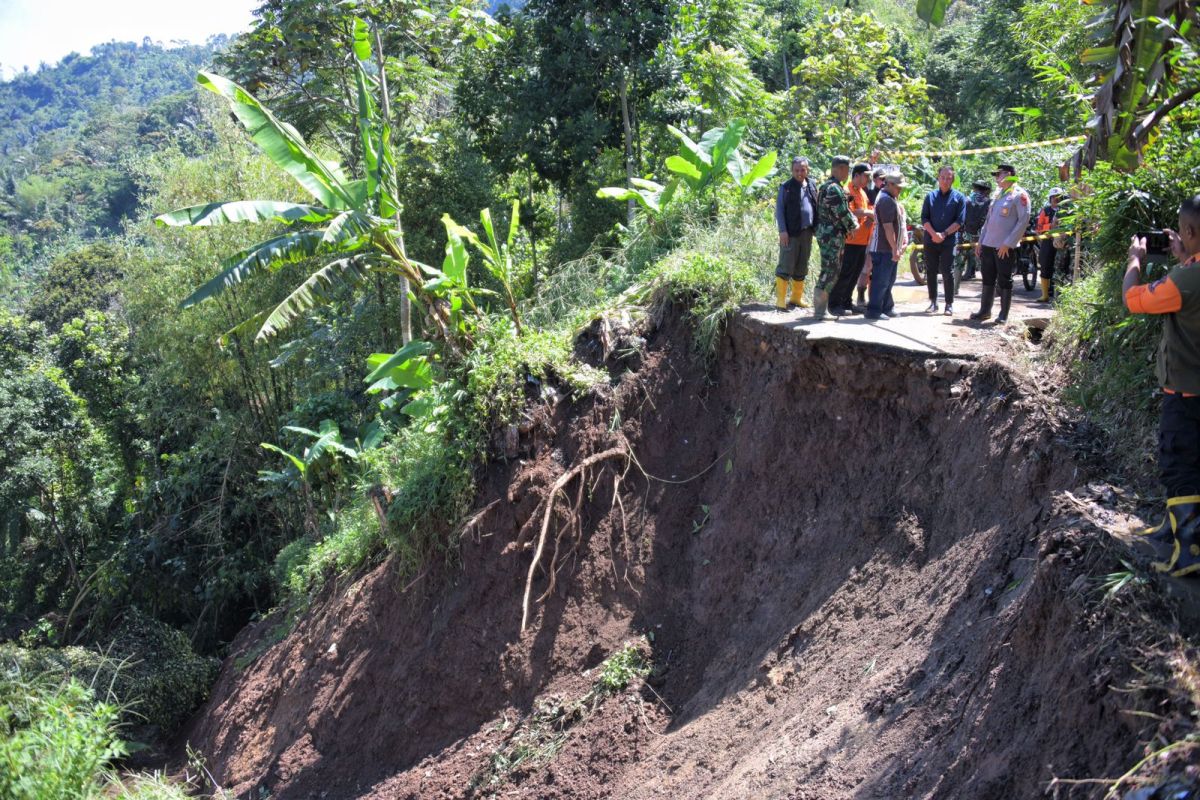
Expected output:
(967, 253)
(1179, 445)
(1047, 255)
(994, 270)
(939, 260)
(843, 288)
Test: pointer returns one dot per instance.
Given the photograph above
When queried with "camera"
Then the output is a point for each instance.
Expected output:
(1157, 242)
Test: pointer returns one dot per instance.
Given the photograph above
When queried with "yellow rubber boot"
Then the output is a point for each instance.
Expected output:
(1045, 298)
(781, 291)
(798, 294)
(1184, 513)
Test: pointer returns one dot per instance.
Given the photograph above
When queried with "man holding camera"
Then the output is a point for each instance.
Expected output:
(1177, 298)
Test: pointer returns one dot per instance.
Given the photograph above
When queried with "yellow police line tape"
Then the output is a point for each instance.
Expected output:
(1034, 238)
(1004, 148)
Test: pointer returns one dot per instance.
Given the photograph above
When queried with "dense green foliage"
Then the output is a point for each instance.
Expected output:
(195, 466)
(67, 133)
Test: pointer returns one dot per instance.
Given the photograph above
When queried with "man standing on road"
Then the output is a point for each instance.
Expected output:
(1006, 222)
(1047, 252)
(873, 189)
(840, 300)
(942, 214)
(1177, 298)
(834, 222)
(888, 243)
(795, 217)
(977, 210)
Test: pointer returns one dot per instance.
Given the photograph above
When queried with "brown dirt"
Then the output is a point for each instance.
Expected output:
(866, 581)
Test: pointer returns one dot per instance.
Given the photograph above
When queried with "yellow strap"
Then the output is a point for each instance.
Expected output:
(1176, 501)
(898, 155)
(1047, 235)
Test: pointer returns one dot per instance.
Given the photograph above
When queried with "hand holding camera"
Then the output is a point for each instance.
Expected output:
(1155, 245)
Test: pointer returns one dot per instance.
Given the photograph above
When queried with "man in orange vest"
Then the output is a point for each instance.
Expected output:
(841, 300)
(1176, 298)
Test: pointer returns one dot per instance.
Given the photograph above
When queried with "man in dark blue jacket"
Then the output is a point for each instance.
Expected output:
(796, 218)
(942, 215)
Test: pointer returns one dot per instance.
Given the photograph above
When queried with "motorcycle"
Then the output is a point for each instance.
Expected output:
(1027, 260)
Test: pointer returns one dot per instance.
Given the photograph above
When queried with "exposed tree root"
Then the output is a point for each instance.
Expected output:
(551, 496)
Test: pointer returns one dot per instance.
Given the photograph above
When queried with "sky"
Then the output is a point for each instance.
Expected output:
(33, 31)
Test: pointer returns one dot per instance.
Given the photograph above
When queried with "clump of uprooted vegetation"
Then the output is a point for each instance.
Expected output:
(538, 739)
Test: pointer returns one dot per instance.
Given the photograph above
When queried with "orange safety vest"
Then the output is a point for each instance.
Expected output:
(860, 201)
(1045, 221)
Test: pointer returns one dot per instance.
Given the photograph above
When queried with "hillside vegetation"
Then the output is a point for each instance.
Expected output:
(204, 421)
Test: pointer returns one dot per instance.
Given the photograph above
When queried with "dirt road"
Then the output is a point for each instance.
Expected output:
(913, 330)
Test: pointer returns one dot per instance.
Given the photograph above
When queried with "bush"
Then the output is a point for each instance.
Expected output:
(150, 669)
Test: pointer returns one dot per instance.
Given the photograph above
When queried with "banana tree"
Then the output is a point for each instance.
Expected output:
(352, 226)
(1151, 41)
(701, 165)
(497, 256)
(652, 197)
(327, 441)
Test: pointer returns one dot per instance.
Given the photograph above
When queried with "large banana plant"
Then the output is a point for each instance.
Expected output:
(1150, 40)
(351, 226)
(700, 165)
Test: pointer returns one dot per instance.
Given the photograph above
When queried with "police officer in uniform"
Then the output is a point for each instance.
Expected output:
(834, 222)
(795, 217)
(1007, 220)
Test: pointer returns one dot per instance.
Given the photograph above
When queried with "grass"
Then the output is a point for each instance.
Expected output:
(59, 740)
(622, 668)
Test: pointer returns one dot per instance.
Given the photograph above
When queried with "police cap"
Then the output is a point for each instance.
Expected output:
(981, 185)
(1009, 168)
(860, 168)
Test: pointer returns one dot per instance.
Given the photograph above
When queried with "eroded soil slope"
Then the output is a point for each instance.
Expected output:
(847, 568)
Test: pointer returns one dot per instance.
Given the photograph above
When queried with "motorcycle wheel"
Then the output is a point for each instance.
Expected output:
(1029, 274)
(916, 267)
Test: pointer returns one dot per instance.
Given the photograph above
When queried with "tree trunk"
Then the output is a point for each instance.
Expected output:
(631, 207)
(532, 224)
(385, 106)
(1078, 223)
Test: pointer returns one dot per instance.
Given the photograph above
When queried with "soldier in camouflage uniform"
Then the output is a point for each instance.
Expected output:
(834, 223)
